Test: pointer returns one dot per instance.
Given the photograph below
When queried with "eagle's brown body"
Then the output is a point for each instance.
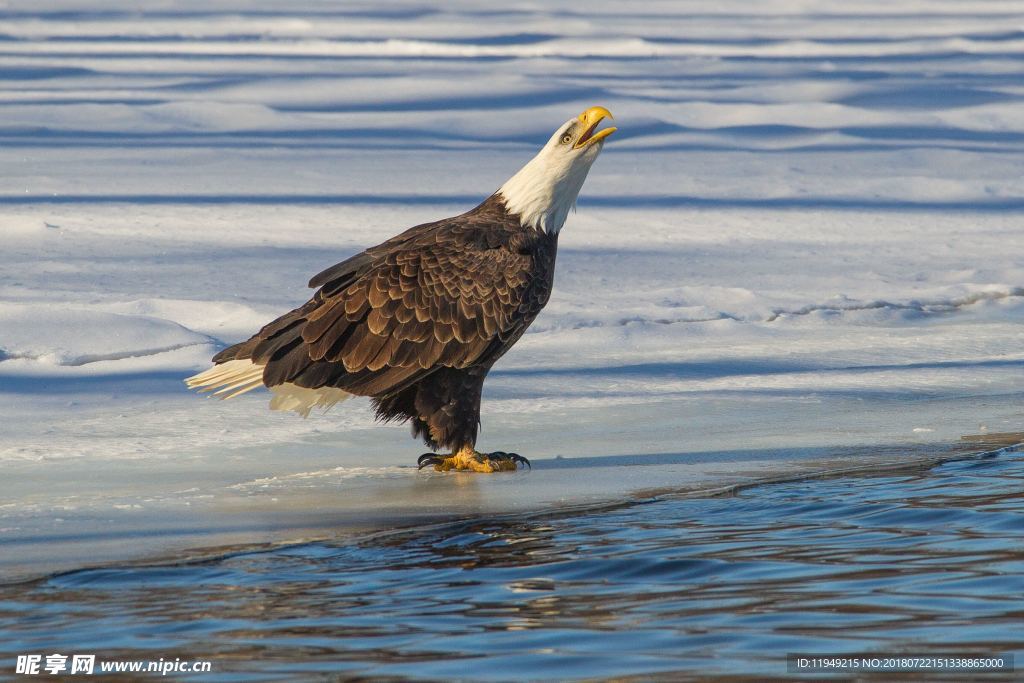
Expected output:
(416, 322)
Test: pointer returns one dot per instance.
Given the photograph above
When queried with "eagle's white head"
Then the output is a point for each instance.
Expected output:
(544, 190)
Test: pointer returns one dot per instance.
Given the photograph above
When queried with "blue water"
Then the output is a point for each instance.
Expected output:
(930, 560)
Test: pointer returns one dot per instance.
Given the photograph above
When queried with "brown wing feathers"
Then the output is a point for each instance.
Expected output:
(391, 315)
(449, 294)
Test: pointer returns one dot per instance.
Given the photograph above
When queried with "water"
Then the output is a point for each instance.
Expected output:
(924, 561)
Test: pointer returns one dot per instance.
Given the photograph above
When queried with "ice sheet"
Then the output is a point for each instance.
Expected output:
(800, 252)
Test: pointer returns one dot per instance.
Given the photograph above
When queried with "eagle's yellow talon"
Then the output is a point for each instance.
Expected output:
(470, 460)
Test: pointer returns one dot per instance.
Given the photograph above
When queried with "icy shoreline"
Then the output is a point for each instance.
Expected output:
(192, 505)
(324, 505)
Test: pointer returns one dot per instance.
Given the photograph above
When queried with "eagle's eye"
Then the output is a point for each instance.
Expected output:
(566, 139)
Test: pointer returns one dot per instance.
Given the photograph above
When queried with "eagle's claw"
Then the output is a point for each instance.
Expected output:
(429, 459)
(470, 460)
(514, 457)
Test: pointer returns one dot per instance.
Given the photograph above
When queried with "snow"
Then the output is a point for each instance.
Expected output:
(800, 252)
(62, 336)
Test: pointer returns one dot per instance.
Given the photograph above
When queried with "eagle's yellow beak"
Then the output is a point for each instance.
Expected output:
(590, 118)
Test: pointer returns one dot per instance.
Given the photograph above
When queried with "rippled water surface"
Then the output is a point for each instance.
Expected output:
(923, 561)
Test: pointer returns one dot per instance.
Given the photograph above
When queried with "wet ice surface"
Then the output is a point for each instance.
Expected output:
(800, 251)
(925, 561)
(189, 507)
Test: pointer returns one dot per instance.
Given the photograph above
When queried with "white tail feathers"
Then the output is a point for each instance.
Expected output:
(229, 379)
(236, 377)
(302, 400)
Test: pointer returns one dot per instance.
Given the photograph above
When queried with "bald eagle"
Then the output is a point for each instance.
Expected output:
(416, 322)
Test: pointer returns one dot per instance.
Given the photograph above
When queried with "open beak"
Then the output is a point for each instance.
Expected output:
(591, 118)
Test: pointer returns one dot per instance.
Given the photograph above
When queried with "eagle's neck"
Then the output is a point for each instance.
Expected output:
(543, 194)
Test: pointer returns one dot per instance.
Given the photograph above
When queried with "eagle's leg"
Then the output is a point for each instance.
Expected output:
(445, 409)
(467, 459)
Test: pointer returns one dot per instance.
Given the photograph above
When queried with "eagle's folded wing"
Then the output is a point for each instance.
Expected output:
(389, 316)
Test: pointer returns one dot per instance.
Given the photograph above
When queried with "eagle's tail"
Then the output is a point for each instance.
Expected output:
(229, 379)
(235, 377)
